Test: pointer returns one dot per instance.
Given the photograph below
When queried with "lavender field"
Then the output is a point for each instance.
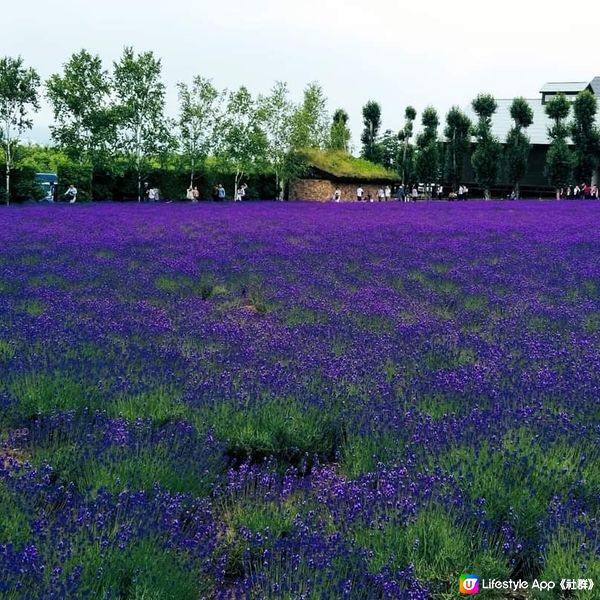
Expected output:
(298, 401)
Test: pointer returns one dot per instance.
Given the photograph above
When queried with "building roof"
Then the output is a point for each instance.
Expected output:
(595, 85)
(567, 87)
(341, 165)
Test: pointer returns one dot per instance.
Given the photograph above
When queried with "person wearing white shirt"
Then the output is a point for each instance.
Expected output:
(359, 193)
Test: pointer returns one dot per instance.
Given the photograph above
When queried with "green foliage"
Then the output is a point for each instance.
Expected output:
(310, 121)
(486, 157)
(390, 151)
(370, 136)
(22, 183)
(457, 132)
(585, 135)
(407, 159)
(242, 142)
(18, 98)
(85, 120)
(516, 152)
(339, 135)
(280, 428)
(200, 108)
(80, 175)
(559, 163)
(281, 117)
(428, 151)
(140, 101)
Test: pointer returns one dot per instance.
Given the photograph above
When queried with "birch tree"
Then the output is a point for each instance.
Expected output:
(140, 97)
(242, 142)
(199, 112)
(18, 98)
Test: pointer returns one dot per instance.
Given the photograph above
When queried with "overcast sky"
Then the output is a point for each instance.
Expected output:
(395, 52)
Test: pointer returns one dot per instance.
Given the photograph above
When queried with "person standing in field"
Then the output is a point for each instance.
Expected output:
(337, 195)
(414, 193)
(380, 195)
(195, 194)
(71, 194)
(190, 194)
(221, 193)
(359, 193)
(388, 193)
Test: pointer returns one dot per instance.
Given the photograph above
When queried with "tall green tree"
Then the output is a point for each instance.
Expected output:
(390, 150)
(18, 98)
(585, 135)
(370, 136)
(199, 111)
(428, 154)
(559, 157)
(517, 148)
(486, 157)
(339, 134)
(279, 121)
(458, 134)
(84, 117)
(310, 121)
(243, 143)
(143, 131)
(405, 135)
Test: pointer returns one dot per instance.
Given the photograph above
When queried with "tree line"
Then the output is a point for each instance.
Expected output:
(114, 121)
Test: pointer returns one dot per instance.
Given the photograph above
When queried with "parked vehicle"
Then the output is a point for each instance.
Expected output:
(47, 181)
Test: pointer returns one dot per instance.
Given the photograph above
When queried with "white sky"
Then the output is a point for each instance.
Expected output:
(396, 52)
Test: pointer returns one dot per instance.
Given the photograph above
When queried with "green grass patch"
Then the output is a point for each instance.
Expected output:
(14, 525)
(298, 315)
(144, 571)
(34, 308)
(591, 322)
(438, 547)
(161, 404)
(361, 454)
(474, 302)
(570, 556)
(279, 428)
(38, 393)
(7, 351)
(342, 164)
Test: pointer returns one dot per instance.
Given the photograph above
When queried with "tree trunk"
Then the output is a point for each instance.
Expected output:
(7, 181)
(404, 163)
(139, 186)
(558, 193)
(517, 190)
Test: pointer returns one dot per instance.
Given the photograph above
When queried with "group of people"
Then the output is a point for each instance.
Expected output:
(151, 194)
(585, 191)
(402, 194)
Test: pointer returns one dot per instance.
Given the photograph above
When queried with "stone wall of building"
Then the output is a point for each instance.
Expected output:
(322, 190)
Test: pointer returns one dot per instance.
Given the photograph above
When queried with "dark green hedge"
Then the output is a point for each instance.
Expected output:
(22, 184)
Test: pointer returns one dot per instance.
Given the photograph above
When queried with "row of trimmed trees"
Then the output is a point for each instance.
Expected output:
(432, 160)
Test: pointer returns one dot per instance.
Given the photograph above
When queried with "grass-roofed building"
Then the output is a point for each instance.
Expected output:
(326, 171)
